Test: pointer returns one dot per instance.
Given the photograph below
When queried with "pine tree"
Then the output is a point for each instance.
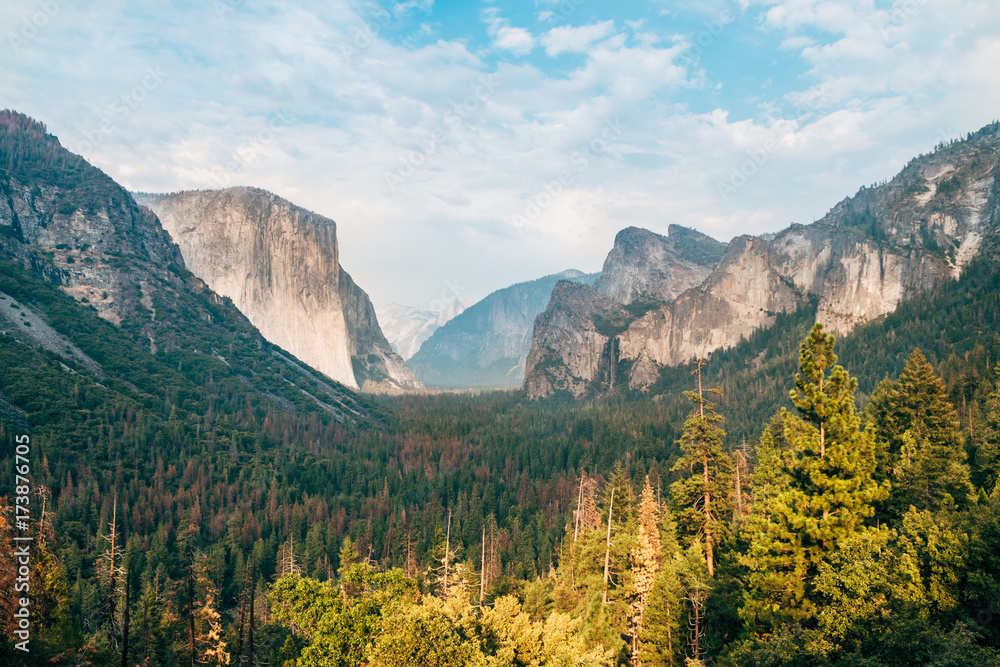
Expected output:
(348, 556)
(645, 560)
(924, 441)
(704, 494)
(818, 488)
(987, 459)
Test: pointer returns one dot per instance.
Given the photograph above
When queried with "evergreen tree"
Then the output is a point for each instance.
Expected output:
(646, 560)
(703, 495)
(822, 489)
(924, 441)
(661, 638)
(987, 459)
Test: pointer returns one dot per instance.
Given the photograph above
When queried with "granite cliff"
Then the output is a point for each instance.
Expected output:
(280, 265)
(68, 230)
(868, 254)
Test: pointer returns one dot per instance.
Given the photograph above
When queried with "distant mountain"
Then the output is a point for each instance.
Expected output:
(280, 265)
(574, 344)
(407, 327)
(867, 255)
(487, 344)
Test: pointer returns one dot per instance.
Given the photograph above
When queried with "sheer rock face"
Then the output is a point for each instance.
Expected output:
(643, 265)
(569, 353)
(643, 270)
(871, 252)
(280, 265)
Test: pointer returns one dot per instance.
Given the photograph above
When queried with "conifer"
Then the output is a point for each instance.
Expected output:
(703, 495)
(818, 488)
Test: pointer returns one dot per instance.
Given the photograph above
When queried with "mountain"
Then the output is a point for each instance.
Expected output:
(644, 265)
(97, 302)
(870, 253)
(280, 265)
(487, 344)
(407, 327)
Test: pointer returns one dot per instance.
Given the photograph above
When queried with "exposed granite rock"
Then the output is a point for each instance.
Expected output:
(375, 365)
(68, 222)
(643, 265)
(869, 253)
(279, 263)
(570, 352)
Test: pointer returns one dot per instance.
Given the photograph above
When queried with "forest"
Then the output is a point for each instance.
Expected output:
(781, 513)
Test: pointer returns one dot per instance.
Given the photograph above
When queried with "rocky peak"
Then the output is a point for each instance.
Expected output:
(487, 344)
(884, 245)
(280, 265)
(644, 265)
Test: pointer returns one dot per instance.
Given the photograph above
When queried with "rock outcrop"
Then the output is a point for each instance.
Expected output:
(487, 344)
(280, 265)
(572, 350)
(68, 222)
(643, 265)
(869, 253)
(643, 271)
(65, 226)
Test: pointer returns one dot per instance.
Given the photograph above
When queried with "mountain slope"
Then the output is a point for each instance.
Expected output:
(869, 254)
(487, 344)
(280, 265)
(95, 281)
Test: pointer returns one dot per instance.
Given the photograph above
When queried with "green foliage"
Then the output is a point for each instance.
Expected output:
(923, 444)
(338, 627)
(816, 491)
(701, 496)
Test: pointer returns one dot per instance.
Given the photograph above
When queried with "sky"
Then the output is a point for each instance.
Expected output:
(463, 146)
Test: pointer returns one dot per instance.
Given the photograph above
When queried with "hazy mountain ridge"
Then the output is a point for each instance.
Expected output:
(407, 327)
(488, 343)
(280, 264)
(871, 252)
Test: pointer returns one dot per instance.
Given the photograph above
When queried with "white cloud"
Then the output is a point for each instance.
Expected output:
(569, 39)
(516, 40)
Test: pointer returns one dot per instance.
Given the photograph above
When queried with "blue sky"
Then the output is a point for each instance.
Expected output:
(465, 146)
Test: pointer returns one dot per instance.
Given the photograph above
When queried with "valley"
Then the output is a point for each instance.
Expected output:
(220, 424)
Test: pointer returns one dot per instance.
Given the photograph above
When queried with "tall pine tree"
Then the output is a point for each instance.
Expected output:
(702, 497)
(923, 440)
(820, 467)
